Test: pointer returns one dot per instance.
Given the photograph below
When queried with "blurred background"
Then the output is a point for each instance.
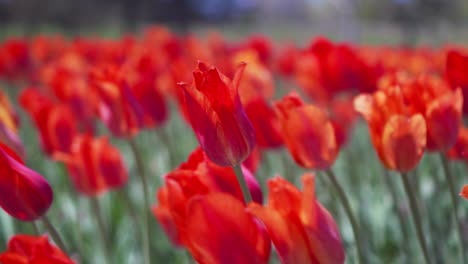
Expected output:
(361, 21)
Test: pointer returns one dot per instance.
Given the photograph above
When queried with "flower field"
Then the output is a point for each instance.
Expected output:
(161, 147)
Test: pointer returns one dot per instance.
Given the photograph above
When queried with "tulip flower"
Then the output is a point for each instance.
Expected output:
(34, 250)
(265, 122)
(455, 72)
(301, 229)
(399, 138)
(217, 116)
(55, 121)
(219, 230)
(464, 191)
(307, 132)
(118, 107)
(24, 193)
(197, 176)
(95, 166)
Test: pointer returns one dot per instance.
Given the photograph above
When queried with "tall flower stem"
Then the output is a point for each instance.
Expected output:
(144, 182)
(416, 216)
(101, 226)
(243, 184)
(54, 233)
(401, 218)
(453, 195)
(35, 228)
(349, 212)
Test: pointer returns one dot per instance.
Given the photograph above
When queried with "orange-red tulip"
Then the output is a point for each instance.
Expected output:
(26, 249)
(197, 176)
(464, 191)
(307, 132)
(54, 121)
(95, 166)
(301, 229)
(24, 193)
(219, 230)
(217, 116)
(456, 73)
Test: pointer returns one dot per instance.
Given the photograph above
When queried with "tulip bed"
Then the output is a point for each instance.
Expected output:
(166, 148)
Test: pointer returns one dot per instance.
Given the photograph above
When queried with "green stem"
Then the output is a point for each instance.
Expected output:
(454, 197)
(144, 182)
(401, 218)
(416, 216)
(54, 233)
(101, 226)
(243, 184)
(349, 212)
(35, 228)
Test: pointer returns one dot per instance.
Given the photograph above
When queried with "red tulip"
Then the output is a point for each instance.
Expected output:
(464, 192)
(26, 249)
(456, 73)
(398, 137)
(301, 229)
(24, 193)
(118, 107)
(95, 166)
(307, 132)
(219, 230)
(217, 117)
(265, 122)
(197, 176)
(55, 121)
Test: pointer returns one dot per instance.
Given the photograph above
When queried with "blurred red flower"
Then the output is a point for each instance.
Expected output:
(301, 229)
(197, 176)
(217, 116)
(307, 132)
(464, 191)
(8, 126)
(398, 136)
(456, 72)
(26, 249)
(24, 193)
(95, 166)
(219, 230)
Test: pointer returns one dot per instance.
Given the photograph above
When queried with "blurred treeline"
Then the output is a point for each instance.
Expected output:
(127, 15)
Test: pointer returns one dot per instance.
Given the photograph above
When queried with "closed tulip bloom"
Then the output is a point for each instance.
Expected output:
(455, 72)
(464, 192)
(26, 249)
(221, 231)
(307, 132)
(301, 229)
(398, 137)
(95, 166)
(55, 121)
(24, 193)
(217, 116)
(197, 176)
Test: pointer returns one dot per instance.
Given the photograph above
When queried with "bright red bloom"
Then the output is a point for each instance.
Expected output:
(221, 231)
(24, 193)
(8, 126)
(460, 149)
(398, 136)
(217, 117)
(301, 229)
(464, 192)
(14, 59)
(26, 249)
(265, 122)
(118, 107)
(456, 73)
(54, 121)
(441, 107)
(95, 166)
(197, 176)
(307, 132)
